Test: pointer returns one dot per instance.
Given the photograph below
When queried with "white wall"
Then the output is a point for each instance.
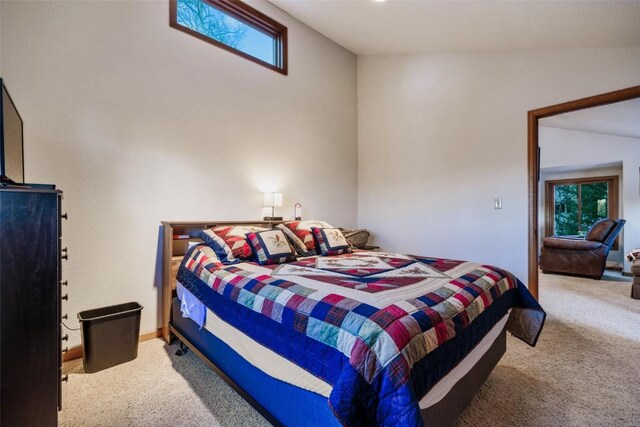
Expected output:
(441, 135)
(561, 147)
(138, 122)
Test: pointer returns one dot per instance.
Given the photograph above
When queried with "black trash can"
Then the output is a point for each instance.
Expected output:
(109, 335)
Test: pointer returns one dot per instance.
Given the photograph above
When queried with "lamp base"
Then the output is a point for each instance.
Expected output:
(272, 218)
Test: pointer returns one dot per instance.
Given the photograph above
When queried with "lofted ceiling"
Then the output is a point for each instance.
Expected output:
(368, 27)
(619, 119)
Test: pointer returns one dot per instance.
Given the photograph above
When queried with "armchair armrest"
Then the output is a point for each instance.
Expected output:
(572, 244)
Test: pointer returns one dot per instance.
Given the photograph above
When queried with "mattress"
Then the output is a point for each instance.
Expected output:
(282, 369)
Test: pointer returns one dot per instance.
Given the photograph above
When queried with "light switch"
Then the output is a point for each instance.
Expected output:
(497, 203)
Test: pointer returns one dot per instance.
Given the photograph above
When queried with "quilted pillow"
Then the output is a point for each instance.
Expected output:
(230, 242)
(300, 235)
(331, 241)
(271, 247)
(213, 259)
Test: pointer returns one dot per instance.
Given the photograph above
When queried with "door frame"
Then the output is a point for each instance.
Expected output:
(533, 155)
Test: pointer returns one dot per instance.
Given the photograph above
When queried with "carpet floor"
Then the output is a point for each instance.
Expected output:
(583, 372)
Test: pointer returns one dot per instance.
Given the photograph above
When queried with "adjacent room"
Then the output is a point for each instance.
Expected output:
(319, 213)
(588, 172)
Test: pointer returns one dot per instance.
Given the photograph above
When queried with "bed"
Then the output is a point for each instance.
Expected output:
(363, 338)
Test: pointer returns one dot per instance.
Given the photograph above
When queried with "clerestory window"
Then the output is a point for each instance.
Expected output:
(235, 27)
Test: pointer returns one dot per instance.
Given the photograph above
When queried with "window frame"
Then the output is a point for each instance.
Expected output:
(612, 201)
(249, 16)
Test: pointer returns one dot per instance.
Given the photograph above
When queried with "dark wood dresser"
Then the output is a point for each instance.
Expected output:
(30, 300)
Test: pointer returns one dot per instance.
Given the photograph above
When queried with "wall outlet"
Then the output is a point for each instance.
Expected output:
(497, 203)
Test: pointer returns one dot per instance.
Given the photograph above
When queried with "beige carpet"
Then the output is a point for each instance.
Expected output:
(585, 371)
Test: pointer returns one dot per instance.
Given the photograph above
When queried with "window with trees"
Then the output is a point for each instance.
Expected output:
(235, 27)
(573, 205)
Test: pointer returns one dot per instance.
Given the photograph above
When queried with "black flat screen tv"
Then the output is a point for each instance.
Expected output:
(11, 139)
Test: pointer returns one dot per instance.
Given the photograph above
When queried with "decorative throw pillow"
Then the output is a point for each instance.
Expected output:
(271, 247)
(300, 235)
(215, 242)
(634, 255)
(331, 241)
(212, 258)
(230, 242)
(600, 230)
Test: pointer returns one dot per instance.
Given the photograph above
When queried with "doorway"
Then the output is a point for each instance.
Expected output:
(533, 151)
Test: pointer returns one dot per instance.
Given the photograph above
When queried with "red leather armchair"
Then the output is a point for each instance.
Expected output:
(582, 257)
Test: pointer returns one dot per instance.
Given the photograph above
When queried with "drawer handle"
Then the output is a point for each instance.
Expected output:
(65, 283)
(65, 255)
(65, 378)
(65, 317)
(64, 216)
(65, 338)
(64, 350)
(65, 297)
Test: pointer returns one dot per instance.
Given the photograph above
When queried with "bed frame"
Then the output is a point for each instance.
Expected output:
(177, 234)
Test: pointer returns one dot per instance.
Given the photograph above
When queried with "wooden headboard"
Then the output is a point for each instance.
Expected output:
(175, 242)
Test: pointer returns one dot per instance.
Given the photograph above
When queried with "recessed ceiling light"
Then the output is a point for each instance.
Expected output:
(379, 1)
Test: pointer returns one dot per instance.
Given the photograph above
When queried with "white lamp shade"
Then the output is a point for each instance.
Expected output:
(277, 200)
(272, 200)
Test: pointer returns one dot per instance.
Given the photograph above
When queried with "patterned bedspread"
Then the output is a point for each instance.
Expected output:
(381, 328)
